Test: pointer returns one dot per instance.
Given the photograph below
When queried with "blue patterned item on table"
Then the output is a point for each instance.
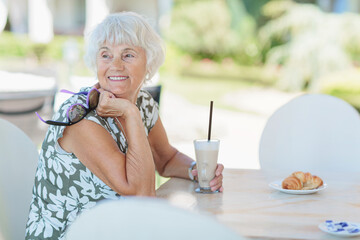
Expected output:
(342, 227)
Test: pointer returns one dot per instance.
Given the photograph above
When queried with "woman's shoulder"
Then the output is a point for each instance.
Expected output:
(149, 109)
(144, 94)
(145, 99)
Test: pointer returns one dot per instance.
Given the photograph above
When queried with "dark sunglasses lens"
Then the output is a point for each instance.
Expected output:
(93, 99)
(76, 113)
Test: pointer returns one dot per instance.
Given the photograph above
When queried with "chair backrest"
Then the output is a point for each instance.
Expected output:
(145, 218)
(18, 163)
(155, 92)
(313, 132)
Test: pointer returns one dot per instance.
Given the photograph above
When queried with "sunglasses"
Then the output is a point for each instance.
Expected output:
(76, 112)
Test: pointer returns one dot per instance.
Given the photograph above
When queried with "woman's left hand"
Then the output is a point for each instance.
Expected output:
(216, 183)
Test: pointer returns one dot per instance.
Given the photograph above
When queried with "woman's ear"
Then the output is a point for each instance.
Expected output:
(147, 76)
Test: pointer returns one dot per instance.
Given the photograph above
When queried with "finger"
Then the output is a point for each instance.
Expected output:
(216, 180)
(104, 101)
(102, 107)
(101, 114)
(101, 90)
(219, 169)
(106, 94)
(216, 187)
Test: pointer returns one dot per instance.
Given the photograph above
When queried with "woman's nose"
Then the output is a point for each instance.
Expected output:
(118, 63)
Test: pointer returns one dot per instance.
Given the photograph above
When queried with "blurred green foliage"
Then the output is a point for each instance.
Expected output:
(15, 45)
(344, 85)
(39, 50)
(206, 29)
(308, 44)
(304, 46)
(254, 8)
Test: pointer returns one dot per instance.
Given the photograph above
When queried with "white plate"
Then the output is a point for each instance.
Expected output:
(277, 186)
(324, 228)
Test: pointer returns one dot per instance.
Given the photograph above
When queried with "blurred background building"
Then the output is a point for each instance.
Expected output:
(44, 18)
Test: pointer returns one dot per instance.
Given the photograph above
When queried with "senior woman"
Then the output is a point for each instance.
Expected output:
(113, 150)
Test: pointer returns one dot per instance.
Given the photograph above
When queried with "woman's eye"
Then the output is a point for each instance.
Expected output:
(105, 56)
(129, 55)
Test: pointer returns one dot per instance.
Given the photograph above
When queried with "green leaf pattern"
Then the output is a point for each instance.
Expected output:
(63, 186)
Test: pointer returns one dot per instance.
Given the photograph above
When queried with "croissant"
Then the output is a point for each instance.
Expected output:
(293, 183)
(301, 176)
(307, 181)
(312, 183)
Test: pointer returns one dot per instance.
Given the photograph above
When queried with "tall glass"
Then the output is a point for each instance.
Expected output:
(206, 152)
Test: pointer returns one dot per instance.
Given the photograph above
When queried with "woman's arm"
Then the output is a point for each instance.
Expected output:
(172, 163)
(130, 174)
(168, 160)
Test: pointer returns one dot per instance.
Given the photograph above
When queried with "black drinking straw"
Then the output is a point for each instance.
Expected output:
(210, 120)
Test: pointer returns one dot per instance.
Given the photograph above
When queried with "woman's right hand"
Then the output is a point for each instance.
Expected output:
(110, 106)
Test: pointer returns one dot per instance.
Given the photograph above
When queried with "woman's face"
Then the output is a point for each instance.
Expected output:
(121, 69)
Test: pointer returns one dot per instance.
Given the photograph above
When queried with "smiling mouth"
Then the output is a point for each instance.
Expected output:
(117, 78)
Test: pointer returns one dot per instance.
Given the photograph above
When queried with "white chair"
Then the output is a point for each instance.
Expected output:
(314, 133)
(18, 163)
(145, 218)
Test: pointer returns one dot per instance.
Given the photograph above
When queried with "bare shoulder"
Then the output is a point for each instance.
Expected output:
(157, 132)
(85, 134)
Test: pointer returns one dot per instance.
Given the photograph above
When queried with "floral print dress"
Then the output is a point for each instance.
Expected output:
(64, 187)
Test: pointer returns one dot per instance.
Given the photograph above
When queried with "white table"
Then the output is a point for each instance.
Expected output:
(254, 210)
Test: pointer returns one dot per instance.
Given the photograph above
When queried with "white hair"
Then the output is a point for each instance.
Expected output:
(126, 28)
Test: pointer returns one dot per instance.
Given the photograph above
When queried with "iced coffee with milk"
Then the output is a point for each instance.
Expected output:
(206, 152)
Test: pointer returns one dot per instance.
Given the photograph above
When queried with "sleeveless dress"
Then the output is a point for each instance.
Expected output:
(63, 186)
